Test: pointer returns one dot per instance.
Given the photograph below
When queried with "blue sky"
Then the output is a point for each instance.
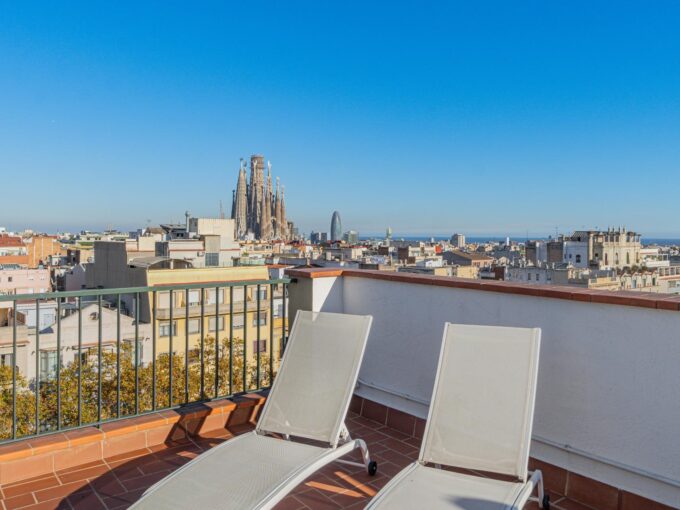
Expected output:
(432, 117)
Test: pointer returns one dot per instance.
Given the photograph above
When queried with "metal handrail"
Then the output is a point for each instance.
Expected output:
(133, 290)
(101, 392)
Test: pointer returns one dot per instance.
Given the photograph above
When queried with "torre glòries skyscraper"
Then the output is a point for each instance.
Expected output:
(257, 208)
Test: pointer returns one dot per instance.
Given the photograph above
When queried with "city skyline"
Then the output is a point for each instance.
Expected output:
(489, 120)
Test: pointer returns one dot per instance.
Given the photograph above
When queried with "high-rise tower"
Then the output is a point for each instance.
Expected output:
(336, 227)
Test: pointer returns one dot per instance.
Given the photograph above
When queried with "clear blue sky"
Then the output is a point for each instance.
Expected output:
(483, 118)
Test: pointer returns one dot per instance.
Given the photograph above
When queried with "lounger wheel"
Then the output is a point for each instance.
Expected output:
(372, 468)
(546, 502)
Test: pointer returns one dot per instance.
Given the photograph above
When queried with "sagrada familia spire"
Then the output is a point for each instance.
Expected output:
(256, 207)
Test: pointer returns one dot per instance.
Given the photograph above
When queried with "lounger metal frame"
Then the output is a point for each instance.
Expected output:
(535, 480)
(340, 444)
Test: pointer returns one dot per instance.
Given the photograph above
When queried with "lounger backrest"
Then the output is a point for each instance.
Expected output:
(312, 391)
(482, 406)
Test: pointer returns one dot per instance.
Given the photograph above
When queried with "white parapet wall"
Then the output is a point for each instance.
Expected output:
(608, 398)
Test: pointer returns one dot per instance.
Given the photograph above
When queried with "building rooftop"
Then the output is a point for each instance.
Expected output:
(10, 241)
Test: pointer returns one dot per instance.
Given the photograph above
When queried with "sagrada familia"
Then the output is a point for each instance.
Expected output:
(256, 207)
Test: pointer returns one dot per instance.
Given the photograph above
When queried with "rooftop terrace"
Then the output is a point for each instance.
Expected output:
(605, 428)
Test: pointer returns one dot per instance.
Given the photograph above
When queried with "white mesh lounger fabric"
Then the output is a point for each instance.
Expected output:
(480, 418)
(309, 400)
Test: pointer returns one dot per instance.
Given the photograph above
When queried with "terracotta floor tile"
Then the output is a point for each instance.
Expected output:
(144, 482)
(129, 455)
(83, 474)
(60, 491)
(290, 503)
(394, 434)
(119, 481)
(33, 485)
(399, 458)
(86, 500)
(349, 498)
(19, 501)
(126, 470)
(54, 504)
(123, 500)
(80, 467)
(569, 504)
(318, 501)
(107, 485)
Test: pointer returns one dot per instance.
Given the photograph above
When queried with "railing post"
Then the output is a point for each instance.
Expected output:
(58, 362)
(99, 357)
(257, 371)
(217, 341)
(14, 370)
(170, 350)
(284, 326)
(231, 340)
(37, 368)
(80, 361)
(271, 334)
(154, 325)
(137, 357)
(245, 338)
(203, 296)
(118, 356)
(186, 346)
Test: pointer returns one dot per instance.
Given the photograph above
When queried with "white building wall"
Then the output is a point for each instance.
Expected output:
(607, 404)
(576, 253)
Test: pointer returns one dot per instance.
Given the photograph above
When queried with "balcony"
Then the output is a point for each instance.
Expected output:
(605, 428)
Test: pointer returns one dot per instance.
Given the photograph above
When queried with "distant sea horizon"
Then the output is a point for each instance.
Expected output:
(659, 241)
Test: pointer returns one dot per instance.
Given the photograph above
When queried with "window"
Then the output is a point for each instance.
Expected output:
(6, 360)
(278, 309)
(212, 259)
(263, 294)
(578, 259)
(529, 276)
(220, 323)
(164, 328)
(9, 278)
(194, 297)
(263, 319)
(538, 277)
(238, 321)
(211, 296)
(627, 258)
(84, 357)
(263, 346)
(48, 365)
(194, 325)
